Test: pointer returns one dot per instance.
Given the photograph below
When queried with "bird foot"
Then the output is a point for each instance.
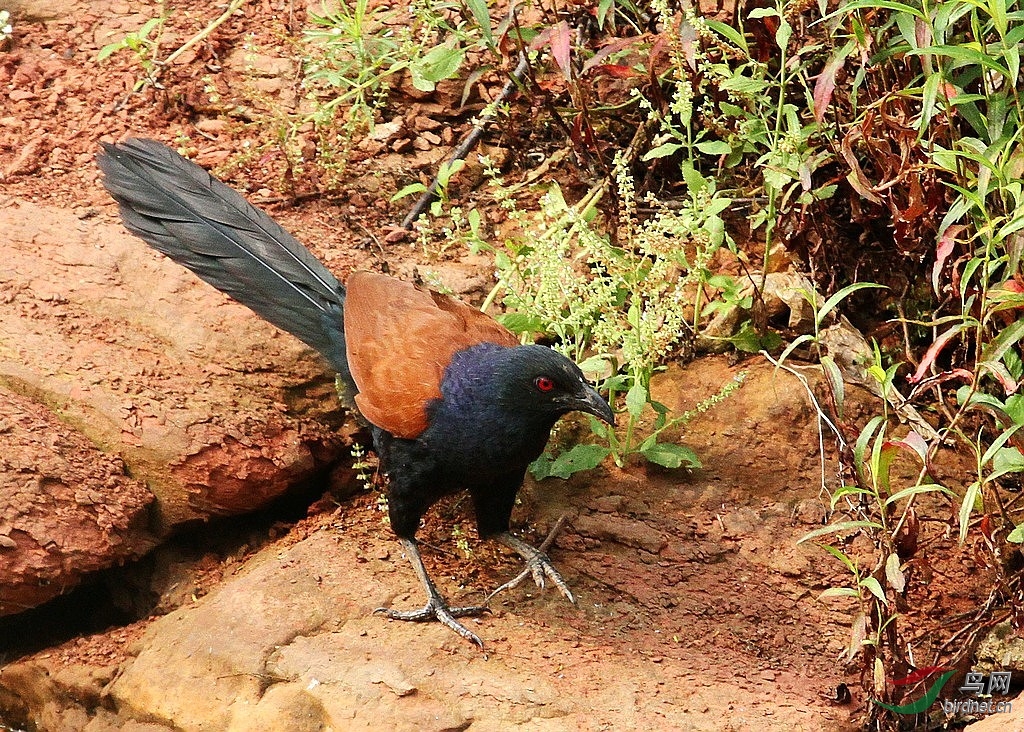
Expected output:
(437, 610)
(539, 567)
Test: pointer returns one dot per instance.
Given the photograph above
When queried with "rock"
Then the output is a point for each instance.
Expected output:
(1000, 650)
(617, 528)
(290, 643)
(66, 508)
(1012, 720)
(33, 11)
(198, 396)
(261, 65)
(198, 666)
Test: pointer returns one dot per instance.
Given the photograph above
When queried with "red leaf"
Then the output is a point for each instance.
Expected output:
(824, 86)
(946, 244)
(582, 133)
(962, 374)
(914, 443)
(561, 42)
(986, 527)
(619, 44)
(933, 351)
(617, 71)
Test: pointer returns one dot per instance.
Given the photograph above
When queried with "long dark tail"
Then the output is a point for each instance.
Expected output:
(182, 211)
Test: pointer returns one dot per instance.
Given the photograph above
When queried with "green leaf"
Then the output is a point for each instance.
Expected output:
(148, 27)
(783, 33)
(482, 16)
(862, 443)
(1006, 460)
(875, 5)
(920, 488)
(847, 562)
(841, 295)
(836, 528)
(580, 457)
(875, 588)
(746, 338)
(636, 399)
(522, 322)
(838, 592)
(997, 444)
(598, 364)
(1001, 343)
(437, 64)
(714, 147)
(848, 490)
(797, 342)
(1017, 535)
(727, 32)
(541, 467)
(695, 182)
(662, 151)
(110, 48)
(670, 455)
(964, 54)
(408, 191)
(971, 499)
(598, 428)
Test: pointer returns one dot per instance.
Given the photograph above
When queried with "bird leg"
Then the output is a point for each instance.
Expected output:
(436, 607)
(538, 565)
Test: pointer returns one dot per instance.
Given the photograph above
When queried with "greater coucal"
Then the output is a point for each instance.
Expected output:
(453, 400)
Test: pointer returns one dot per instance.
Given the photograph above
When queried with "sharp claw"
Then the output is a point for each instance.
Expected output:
(541, 569)
(537, 563)
(436, 610)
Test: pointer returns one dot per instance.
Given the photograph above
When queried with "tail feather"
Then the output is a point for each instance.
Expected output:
(185, 213)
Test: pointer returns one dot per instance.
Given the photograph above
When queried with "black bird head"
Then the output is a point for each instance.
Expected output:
(540, 380)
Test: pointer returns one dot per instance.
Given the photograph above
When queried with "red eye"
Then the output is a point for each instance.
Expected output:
(544, 383)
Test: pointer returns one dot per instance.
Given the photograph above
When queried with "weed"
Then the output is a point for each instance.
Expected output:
(144, 44)
(363, 468)
(357, 51)
(461, 541)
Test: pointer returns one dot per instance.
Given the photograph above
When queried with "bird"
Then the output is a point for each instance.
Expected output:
(453, 401)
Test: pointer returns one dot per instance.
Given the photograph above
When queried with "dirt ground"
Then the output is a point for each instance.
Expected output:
(697, 611)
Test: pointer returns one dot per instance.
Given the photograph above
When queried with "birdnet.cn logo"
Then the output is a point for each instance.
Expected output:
(981, 689)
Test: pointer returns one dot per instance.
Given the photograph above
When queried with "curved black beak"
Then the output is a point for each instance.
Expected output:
(591, 402)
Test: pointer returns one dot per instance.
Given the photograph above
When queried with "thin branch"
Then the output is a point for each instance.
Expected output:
(204, 33)
(470, 140)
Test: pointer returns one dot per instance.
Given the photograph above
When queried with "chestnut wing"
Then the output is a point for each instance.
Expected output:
(399, 341)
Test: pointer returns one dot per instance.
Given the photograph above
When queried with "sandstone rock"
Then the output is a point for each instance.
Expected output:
(190, 388)
(205, 403)
(1011, 720)
(39, 10)
(66, 508)
(623, 530)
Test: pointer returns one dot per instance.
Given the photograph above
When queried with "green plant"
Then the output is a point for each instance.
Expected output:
(355, 52)
(444, 174)
(461, 541)
(733, 113)
(873, 506)
(144, 43)
(363, 468)
(615, 307)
